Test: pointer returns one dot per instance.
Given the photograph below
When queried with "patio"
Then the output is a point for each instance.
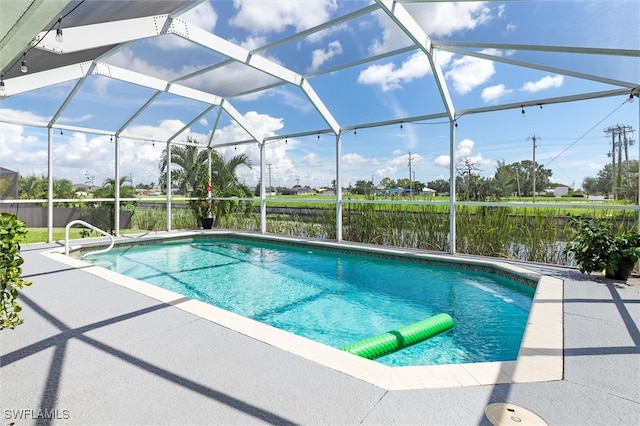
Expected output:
(96, 352)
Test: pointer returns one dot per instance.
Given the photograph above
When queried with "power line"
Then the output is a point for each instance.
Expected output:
(587, 132)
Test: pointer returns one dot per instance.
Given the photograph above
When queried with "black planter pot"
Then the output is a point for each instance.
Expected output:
(625, 266)
(207, 222)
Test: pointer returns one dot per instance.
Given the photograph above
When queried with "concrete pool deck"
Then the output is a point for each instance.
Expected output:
(95, 352)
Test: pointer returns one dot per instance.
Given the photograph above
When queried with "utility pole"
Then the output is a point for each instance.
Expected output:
(627, 143)
(612, 154)
(373, 187)
(619, 177)
(410, 181)
(270, 188)
(623, 142)
(533, 167)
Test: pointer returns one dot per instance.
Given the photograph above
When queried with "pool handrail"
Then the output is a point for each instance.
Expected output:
(90, 226)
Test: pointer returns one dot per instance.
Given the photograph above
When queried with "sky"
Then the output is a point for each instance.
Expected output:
(570, 138)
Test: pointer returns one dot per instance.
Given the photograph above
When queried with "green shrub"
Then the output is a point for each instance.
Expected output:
(598, 246)
(12, 233)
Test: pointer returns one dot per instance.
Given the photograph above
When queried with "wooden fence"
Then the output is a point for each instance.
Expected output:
(35, 216)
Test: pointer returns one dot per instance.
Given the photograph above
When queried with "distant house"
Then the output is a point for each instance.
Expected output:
(428, 191)
(325, 191)
(560, 190)
(304, 191)
(398, 191)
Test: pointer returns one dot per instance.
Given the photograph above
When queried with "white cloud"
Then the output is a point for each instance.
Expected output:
(464, 151)
(402, 160)
(261, 123)
(444, 19)
(80, 119)
(26, 152)
(162, 132)
(203, 121)
(127, 59)
(203, 16)
(469, 72)
(465, 147)
(101, 85)
(311, 159)
(355, 159)
(320, 56)
(491, 94)
(253, 42)
(389, 77)
(79, 152)
(436, 19)
(20, 115)
(386, 172)
(260, 17)
(544, 83)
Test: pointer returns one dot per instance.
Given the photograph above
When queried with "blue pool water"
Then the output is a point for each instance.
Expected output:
(337, 298)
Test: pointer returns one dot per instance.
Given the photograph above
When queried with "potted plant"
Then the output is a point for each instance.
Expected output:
(202, 208)
(596, 247)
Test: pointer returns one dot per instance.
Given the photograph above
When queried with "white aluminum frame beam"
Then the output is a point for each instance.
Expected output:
(538, 48)
(214, 128)
(103, 34)
(546, 101)
(539, 67)
(403, 19)
(33, 81)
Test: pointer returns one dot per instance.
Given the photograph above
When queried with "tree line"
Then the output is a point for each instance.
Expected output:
(190, 175)
(515, 179)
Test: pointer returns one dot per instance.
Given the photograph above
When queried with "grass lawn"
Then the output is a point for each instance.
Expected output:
(39, 235)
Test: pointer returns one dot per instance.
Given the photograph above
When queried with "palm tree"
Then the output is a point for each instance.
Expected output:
(225, 184)
(192, 176)
(192, 167)
(62, 188)
(108, 189)
(103, 214)
(32, 187)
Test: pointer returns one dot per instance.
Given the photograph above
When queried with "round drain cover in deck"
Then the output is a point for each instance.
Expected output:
(502, 413)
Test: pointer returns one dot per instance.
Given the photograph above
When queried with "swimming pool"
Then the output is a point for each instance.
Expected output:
(335, 296)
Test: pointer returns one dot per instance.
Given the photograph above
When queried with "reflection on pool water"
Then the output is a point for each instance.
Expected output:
(337, 297)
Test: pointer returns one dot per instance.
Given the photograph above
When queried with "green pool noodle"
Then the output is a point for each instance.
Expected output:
(394, 340)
